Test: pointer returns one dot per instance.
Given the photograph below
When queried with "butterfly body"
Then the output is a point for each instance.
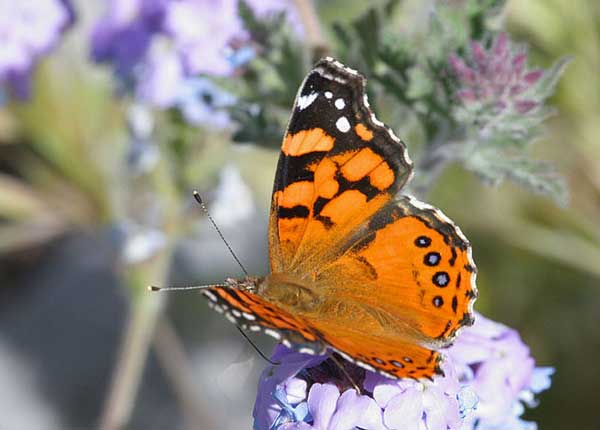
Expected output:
(379, 277)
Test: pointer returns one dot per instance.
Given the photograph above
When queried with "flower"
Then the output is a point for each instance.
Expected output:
(157, 46)
(123, 35)
(496, 80)
(489, 377)
(29, 29)
(492, 359)
(271, 405)
(410, 404)
(318, 396)
(201, 31)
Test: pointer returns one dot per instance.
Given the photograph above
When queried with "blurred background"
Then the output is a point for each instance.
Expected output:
(100, 150)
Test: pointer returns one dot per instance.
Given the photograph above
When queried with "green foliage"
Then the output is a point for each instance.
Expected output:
(494, 165)
(268, 84)
(408, 70)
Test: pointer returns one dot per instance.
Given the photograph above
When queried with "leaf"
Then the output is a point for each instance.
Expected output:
(541, 177)
(545, 87)
(367, 29)
(256, 126)
(419, 83)
(342, 34)
(391, 7)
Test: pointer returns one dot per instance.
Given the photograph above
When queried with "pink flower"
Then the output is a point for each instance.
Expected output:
(496, 79)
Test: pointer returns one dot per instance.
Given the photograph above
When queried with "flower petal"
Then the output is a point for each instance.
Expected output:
(404, 411)
(350, 408)
(295, 389)
(322, 401)
(441, 411)
(296, 426)
(541, 379)
(372, 417)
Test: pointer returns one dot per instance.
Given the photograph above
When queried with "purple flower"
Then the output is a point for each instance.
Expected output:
(124, 34)
(493, 360)
(156, 46)
(269, 409)
(410, 404)
(489, 378)
(496, 80)
(202, 31)
(318, 397)
(28, 31)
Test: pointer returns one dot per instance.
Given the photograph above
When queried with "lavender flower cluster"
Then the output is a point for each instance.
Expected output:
(489, 378)
(160, 48)
(28, 30)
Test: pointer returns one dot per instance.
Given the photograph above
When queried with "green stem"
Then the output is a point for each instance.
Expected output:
(432, 164)
(146, 308)
(174, 361)
(145, 311)
(310, 20)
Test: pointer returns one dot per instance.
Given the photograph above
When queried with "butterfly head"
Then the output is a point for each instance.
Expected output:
(248, 283)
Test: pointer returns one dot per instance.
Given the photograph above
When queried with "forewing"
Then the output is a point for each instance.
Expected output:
(251, 312)
(338, 166)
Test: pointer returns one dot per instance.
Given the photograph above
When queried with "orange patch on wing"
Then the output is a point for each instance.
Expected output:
(390, 354)
(363, 132)
(307, 141)
(382, 177)
(361, 165)
(325, 182)
(344, 204)
(269, 314)
(297, 193)
(329, 189)
(344, 157)
(290, 229)
(403, 266)
(224, 294)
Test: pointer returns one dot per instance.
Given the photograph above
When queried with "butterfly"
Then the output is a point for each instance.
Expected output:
(357, 267)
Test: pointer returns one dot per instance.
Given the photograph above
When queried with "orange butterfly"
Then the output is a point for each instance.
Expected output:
(381, 278)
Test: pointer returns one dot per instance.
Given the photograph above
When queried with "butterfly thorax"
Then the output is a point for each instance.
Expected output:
(288, 292)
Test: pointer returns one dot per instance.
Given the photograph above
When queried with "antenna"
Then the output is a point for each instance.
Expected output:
(202, 287)
(185, 288)
(212, 221)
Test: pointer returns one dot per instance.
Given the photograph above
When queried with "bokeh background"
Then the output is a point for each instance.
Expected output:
(76, 250)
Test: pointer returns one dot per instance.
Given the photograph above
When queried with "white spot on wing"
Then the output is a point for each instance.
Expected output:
(248, 316)
(210, 295)
(340, 103)
(306, 101)
(342, 124)
(273, 333)
(328, 94)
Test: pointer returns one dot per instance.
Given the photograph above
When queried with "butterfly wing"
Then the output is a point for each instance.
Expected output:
(407, 281)
(394, 276)
(251, 312)
(338, 166)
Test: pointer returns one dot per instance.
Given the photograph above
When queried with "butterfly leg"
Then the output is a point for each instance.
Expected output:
(256, 348)
(344, 371)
